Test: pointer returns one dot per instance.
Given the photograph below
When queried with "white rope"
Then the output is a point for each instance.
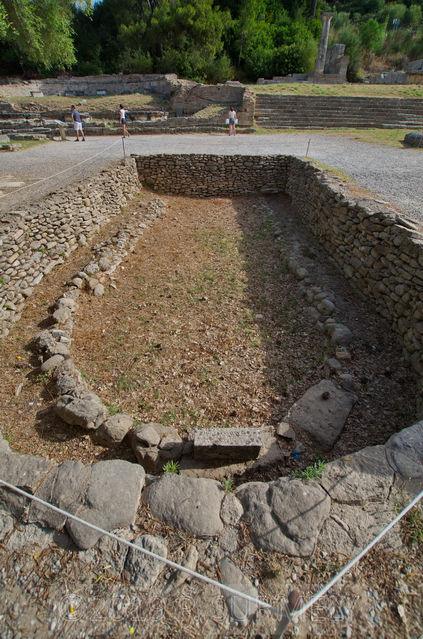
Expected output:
(69, 168)
(168, 562)
(213, 582)
(357, 558)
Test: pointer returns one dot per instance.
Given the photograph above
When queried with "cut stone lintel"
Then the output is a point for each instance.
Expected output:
(233, 444)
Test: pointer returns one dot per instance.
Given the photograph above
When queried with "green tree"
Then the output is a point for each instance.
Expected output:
(350, 36)
(4, 22)
(38, 34)
(372, 35)
(271, 42)
(414, 16)
(185, 36)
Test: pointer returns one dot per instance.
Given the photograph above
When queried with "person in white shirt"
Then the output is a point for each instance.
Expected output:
(122, 119)
(232, 121)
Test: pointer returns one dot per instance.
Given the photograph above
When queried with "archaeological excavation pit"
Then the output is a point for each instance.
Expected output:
(228, 313)
(252, 295)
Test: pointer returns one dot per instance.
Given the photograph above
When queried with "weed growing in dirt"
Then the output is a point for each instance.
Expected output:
(113, 409)
(171, 467)
(124, 383)
(311, 472)
(169, 417)
(43, 378)
(414, 527)
(227, 485)
(412, 524)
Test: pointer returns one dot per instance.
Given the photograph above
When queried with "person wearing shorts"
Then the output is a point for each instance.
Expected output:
(232, 121)
(77, 123)
(122, 119)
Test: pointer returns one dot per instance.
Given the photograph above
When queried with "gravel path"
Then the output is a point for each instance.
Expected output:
(395, 175)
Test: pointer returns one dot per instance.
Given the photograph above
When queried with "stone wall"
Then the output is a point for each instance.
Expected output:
(36, 239)
(213, 175)
(115, 84)
(380, 251)
(189, 97)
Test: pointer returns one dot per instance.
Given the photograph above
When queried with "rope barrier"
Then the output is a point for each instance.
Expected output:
(357, 558)
(149, 553)
(69, 168)
(286, 615)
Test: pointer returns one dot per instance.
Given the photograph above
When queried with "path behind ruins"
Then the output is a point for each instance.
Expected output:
(394, 175)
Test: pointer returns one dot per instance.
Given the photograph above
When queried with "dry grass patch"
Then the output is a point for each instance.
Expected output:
(204, 328)
(196, 333)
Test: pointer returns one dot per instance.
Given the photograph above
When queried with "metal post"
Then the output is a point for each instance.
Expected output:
(295, 602)
(123, 146)
(308, 146)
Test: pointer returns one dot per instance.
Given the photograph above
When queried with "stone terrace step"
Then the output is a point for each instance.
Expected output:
(277, 111)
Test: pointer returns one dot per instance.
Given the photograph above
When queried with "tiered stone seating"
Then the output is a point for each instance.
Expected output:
(316, 112)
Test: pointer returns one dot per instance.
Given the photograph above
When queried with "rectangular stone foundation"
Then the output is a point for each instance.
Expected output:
(227, 444)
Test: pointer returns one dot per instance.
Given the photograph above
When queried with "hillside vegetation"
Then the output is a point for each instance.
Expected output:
(204, 40)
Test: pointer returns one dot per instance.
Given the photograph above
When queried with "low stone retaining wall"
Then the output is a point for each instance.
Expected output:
(38, 238)
(380, 251)
(213, 175)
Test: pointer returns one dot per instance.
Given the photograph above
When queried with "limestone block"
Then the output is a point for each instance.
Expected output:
(232, 444)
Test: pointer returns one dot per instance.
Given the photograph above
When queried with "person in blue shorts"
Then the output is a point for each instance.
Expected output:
(122, 119)
(232, 121)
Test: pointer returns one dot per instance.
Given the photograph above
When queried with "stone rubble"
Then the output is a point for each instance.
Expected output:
(35, 240)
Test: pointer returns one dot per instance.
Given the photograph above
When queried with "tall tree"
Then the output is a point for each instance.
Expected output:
(39, 33)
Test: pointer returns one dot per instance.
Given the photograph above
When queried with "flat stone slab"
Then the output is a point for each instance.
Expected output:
(359, 478)
(322, 412)
(64, 488)
(349, 529)
(187, 504)
(141, 569)
(404, 452)
(239, 609)
(24, 471)
(285, 515)
(234, 444)
(110, 502)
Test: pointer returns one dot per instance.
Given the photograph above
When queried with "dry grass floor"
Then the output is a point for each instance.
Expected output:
(205, 327)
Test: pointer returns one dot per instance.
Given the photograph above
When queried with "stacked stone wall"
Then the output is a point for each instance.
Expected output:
(213, 175)
(380, 251)
(36, 239)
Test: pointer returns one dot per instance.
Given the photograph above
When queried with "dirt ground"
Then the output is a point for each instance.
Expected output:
(206, 327)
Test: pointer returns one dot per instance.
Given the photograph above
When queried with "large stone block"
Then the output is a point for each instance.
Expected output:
(227, 444)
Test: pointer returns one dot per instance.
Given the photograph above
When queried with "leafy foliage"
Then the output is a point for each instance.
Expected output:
(314, 471)
(204, 40)
(38, 34)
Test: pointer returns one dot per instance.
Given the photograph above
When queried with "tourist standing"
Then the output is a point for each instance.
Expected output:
(232, 121)
(77, 123)
(122, 119)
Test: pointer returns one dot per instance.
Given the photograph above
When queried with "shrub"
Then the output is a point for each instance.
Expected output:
(350, 36)
(372, 35)
(218, 70)
(89, 68)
